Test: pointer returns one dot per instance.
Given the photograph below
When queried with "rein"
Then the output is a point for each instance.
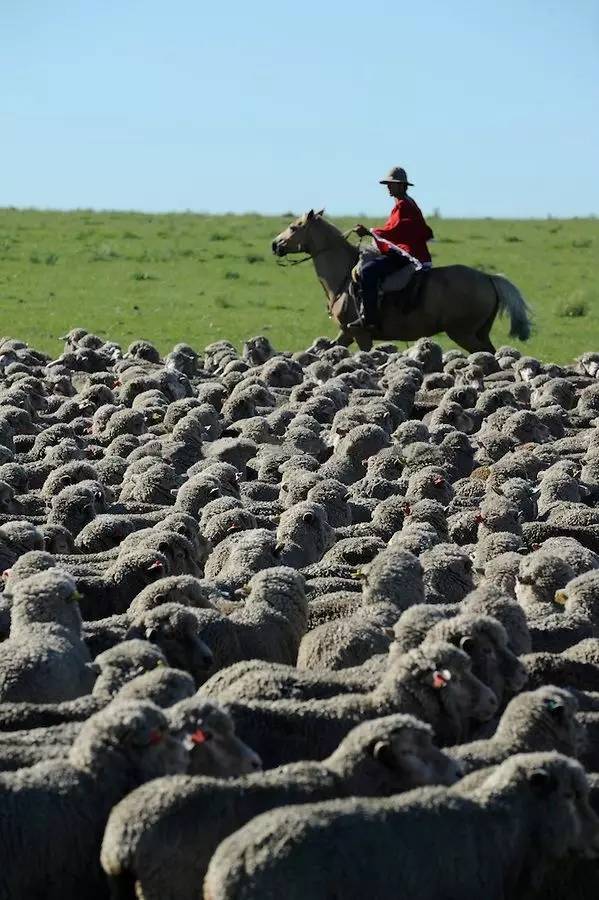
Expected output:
(297, 262)
(286, 263)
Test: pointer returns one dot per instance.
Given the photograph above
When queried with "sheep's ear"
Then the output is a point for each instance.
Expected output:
(467, 643)
(383, 753)
(308, 518)
(542, 781)
(151, 634)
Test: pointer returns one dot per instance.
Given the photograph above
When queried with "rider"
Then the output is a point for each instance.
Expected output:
(405, 227)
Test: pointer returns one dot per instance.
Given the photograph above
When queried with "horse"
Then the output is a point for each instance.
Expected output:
(461, 301)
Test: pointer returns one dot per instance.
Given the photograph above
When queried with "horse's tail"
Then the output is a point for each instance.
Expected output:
(510, 299)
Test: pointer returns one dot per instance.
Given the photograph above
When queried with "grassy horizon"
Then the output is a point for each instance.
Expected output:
(191, 277)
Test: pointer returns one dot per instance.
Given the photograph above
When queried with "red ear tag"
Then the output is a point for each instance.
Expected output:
(479, 518)
(155, 565)
(199, 736)
(440, 679)
(439, 480)
(155, 737)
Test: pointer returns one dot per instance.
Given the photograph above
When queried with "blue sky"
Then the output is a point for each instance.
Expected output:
(492, 107)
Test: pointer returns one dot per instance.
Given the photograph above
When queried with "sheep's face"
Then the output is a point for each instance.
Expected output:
(216, 750)
(492, 662)
(450, 576)
(461, 695)
(257, 350)
(558, 802)
(557, 711)
(409, 759)
(8, 503)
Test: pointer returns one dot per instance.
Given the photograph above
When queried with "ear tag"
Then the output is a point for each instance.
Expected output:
(199, 736)
(560, 597)
(440, 679)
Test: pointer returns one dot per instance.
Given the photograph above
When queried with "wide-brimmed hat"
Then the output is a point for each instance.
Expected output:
(397, 175)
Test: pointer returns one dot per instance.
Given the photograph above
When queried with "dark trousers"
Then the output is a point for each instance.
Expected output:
(373, 273)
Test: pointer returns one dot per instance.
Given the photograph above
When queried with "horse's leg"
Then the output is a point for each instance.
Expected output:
(363, 340)
(484, 332)
(344, 338)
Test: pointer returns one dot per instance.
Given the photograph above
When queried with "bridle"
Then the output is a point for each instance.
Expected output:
(286, 263)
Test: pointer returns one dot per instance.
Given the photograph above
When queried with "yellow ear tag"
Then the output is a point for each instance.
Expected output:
(358, 574)
(560, 597)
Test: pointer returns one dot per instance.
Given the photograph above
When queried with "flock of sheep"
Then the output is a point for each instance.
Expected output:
(306, 625)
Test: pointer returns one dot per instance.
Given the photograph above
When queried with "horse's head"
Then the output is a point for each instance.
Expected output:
(296, 237)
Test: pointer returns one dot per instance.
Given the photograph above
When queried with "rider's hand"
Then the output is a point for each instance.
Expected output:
(361, 230)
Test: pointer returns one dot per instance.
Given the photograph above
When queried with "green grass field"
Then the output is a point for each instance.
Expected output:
(197, 278)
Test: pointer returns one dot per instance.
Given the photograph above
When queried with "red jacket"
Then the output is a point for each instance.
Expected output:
(407, 228)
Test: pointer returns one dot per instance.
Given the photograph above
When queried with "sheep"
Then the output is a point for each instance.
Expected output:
(540, 575)
(341, 643)
(158, 836)
(175, 630)
(486, 642)
(413, 684)
(17, 538)
(415, 623)
(348, 463)
(447, 573)
(393, 581)
(542, 587)
(184, 589)
(208, 733)
(117, 750)
(254, 679)
(543, 719)
(116, 667)
(428, 512)
(576, 667)
(127, 576)
(541, 800)
(305, 533)
(487, 600)
(241, 555)
(274, 617)
(495, 544)
(165, 687)
(44, 657)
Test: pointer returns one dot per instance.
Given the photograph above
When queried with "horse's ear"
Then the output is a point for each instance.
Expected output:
(320, 212)
(309, 215)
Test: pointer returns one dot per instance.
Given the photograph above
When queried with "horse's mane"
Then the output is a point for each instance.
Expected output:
(332, 228)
